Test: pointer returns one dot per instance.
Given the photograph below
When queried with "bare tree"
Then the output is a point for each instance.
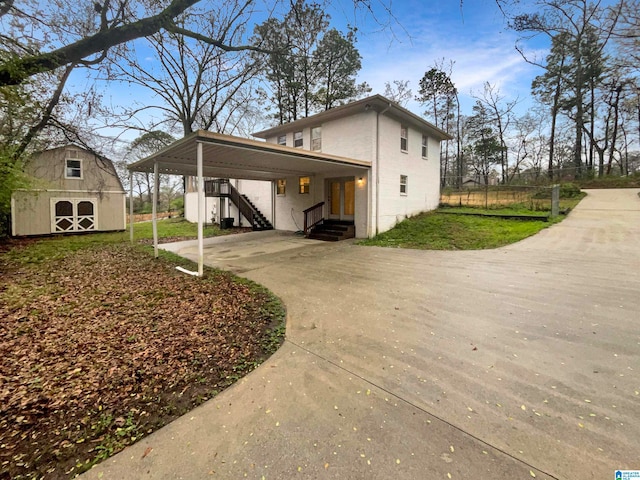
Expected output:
(501, 115)
(398, 91)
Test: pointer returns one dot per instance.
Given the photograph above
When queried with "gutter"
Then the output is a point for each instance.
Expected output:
(378, 164)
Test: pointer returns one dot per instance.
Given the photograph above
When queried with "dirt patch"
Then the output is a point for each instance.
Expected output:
(107, 345)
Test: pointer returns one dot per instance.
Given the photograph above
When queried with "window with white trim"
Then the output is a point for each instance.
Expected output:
(425, 146)
(73, 214)
(304, 185)
(403, 184)
(316, 139)
(297, 139)
(282, 139)
(73, 168)
(281, 186)
(404, 138)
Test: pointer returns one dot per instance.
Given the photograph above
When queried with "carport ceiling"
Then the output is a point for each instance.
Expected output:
(225, 156)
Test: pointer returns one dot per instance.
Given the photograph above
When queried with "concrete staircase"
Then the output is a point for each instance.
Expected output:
(333, 230)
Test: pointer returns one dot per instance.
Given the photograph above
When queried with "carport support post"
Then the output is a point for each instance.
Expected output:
(131, 206)
(555, 200)
(201, 211)
(154, 208)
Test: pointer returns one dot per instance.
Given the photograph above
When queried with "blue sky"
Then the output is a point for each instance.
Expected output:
(474, 36)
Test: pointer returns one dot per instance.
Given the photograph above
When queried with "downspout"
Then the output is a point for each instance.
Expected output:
(378, 164)
(273, 203)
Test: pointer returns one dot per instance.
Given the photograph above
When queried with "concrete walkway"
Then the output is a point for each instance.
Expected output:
(509, 363)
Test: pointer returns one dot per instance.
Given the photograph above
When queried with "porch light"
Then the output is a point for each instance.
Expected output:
(360, 181)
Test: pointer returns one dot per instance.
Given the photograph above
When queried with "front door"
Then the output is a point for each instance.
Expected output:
(342, 198)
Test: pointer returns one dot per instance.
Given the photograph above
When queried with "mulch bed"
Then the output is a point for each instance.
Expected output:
(107, 345)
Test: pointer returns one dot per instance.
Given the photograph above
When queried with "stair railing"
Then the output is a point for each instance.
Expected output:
(312, 217)
(246, 209)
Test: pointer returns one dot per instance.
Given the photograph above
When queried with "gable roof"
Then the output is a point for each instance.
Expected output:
(377, 103)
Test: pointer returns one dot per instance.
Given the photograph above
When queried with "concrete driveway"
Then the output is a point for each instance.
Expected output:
(518, 362)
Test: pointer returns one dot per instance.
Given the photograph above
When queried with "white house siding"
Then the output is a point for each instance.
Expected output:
(423, 191)
(31, 210)
(259, 192)
(289, 206)
(350, 137)
(191, 208)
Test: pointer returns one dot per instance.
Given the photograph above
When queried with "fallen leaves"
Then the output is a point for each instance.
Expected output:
(109, 344)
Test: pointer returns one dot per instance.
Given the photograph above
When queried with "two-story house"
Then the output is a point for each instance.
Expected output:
(73, 191)
(370, 162)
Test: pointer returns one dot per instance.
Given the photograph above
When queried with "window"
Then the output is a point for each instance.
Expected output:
(404, 138)
(425, 146)
(281, 186)
(73, 168)
(297, 139)
(316, 139)
(403, 184)
(282, 139)
(303, 186)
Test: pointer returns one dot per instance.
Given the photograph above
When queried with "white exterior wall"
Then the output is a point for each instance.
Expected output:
(191, 208)
(258, 192)
(423, 185)
(289, 206)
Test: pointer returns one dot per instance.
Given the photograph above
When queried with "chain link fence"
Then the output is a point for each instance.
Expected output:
(534, 198)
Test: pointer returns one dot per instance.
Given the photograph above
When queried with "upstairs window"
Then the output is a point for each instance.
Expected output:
(404, 138)
(73, 168)
(297, 139)
(282, 139)
(425, 146)
(403, 184)
(304, 185)
(316, 139)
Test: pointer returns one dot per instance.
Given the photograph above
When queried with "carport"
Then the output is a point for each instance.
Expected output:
(207, 154)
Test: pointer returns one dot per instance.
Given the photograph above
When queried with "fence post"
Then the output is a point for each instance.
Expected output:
(555, 200)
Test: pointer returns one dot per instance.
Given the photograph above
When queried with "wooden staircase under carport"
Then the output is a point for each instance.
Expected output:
(319, 228)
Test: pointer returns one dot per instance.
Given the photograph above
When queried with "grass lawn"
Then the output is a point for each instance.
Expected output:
(443, 231)
(452, 228)
(101, 344)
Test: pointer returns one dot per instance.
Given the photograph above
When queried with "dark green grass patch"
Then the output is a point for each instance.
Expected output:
(439, 231)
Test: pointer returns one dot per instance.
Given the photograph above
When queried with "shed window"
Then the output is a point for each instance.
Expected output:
(73, 168)
(403, 184)
(304, 185)
(297, 139)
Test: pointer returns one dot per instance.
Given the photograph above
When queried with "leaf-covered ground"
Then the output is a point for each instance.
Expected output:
(102, 347)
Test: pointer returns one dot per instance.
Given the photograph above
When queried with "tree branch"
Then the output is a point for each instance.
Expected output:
(15, 71)
(173, 28)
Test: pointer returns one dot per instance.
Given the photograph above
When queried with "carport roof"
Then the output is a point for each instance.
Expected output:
(226, 156)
